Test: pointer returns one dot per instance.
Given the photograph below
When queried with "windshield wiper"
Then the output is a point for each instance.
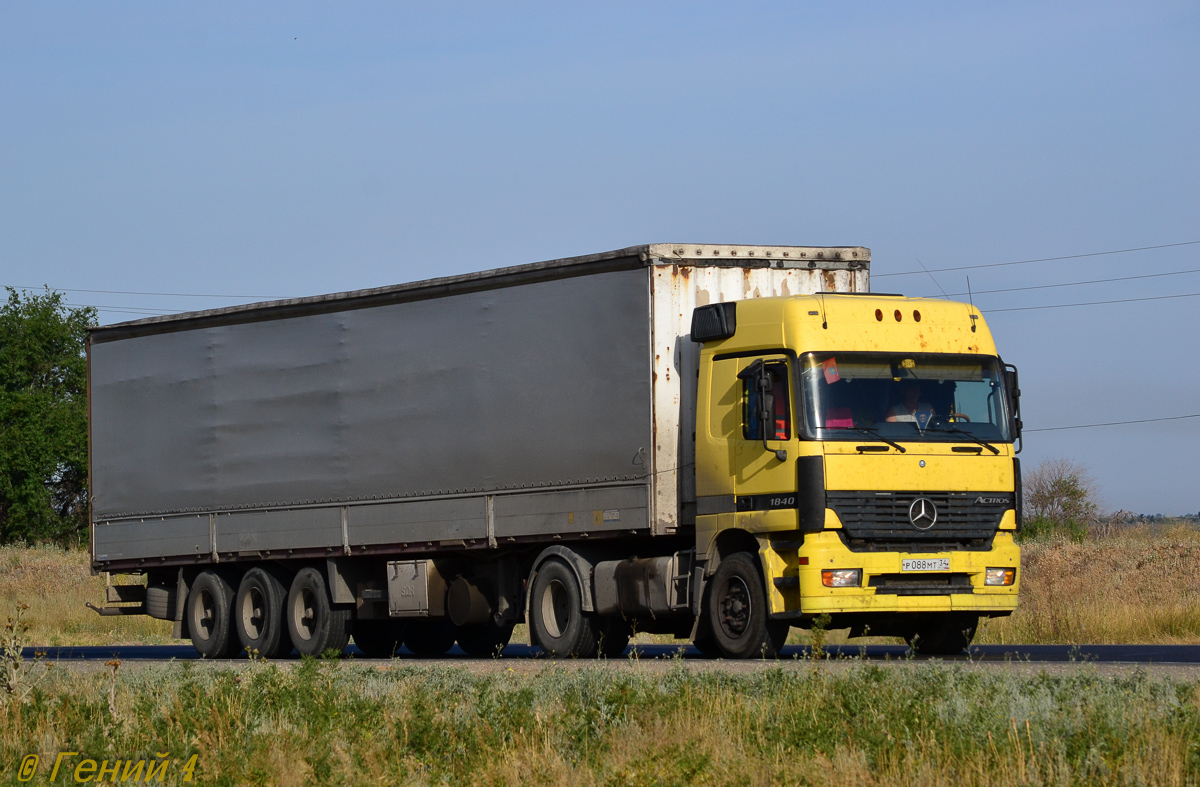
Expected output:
(973, 438)
(873, 433)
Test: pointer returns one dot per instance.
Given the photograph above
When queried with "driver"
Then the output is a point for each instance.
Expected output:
(910, 405)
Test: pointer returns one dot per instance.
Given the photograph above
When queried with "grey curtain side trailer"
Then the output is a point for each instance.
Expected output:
(521, 408)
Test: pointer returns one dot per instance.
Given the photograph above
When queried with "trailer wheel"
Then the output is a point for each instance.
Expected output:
(209, 615)
(379, 639)
(484, 640)
(258, 614)
(314, 623)
(944, 635)
(738, 614)
(429, 638)
(559, 624)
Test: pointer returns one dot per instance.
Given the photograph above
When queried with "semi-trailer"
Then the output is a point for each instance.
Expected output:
(717, 442)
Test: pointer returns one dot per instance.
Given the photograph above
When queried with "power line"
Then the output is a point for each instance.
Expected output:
(1113, 423)
(124, 309)
(1077, 283)
(875, 276)
(1040, 259)
(134, 292)
(1090, 303)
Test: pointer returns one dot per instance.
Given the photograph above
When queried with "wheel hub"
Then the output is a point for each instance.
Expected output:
(734, 607)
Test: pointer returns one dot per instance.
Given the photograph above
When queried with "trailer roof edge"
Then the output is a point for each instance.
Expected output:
(724, 255)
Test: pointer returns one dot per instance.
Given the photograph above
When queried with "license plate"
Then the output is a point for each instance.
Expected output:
(926, 564)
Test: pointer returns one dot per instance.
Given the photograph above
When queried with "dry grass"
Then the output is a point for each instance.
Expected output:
(55, 583)
(344, 723)
(1128, 585)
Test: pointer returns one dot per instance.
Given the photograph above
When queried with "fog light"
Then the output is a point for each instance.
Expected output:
(841, 577)
(1000, 576)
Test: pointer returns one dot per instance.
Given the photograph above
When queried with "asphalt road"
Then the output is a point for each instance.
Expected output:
(1098, 654)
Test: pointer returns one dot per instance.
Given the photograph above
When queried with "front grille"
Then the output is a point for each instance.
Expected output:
(920, 584)
(880, 520)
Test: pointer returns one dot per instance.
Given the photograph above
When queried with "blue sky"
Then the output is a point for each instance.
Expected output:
(294, 149)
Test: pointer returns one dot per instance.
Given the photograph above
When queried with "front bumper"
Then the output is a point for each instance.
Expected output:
(795, 589)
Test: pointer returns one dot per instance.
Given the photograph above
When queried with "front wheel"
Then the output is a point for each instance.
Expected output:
(738, 614)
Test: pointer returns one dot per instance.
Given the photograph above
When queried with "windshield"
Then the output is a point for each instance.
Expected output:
(914, 396)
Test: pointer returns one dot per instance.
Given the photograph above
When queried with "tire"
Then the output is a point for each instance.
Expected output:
(613, 637)
(258, 614)
(379, 639)
(208, 615)
(484, 640)
(556, 617)
(738, 613)
(160, 601)
(707, 647)
(429, 638)
(944, 635)
(314, 623)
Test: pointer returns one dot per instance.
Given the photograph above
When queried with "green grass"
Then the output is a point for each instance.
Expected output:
(334, 722)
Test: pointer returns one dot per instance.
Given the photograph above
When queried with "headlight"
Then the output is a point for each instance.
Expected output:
(841, 577)
(1000, 576)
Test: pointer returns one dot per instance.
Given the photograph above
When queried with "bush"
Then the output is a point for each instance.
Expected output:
(1059, 498)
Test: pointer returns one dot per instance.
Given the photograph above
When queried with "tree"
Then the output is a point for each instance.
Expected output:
(43, 417)
(1059, 496)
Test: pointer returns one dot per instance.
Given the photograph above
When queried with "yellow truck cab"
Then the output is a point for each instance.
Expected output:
(862, 446)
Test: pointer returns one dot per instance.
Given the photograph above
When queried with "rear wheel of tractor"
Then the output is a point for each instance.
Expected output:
(429, 638)
(314, 623)
(944, 635)
(557, 620)
(258, 614)
(209, 616)
(484, 640)
(738, 614)
(379, 639)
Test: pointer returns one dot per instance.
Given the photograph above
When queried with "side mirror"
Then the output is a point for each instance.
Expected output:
(764, 385)
(1012, 389)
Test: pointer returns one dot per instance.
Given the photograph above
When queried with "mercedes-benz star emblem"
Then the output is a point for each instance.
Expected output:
(922, 513)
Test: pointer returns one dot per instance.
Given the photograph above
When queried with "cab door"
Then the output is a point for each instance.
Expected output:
(765, 443)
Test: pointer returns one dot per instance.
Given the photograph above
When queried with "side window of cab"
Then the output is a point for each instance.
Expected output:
(765, 401)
